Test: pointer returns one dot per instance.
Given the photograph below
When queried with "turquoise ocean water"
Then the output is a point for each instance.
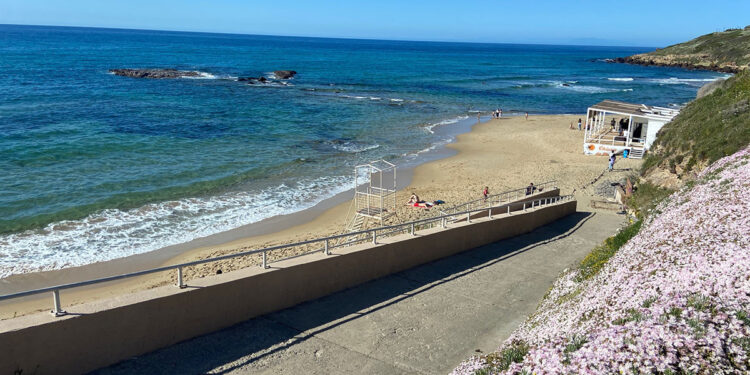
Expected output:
(97, 166)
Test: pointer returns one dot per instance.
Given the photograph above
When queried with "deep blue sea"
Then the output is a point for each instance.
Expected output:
(96, 166)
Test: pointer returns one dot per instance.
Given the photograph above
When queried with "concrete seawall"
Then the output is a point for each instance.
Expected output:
(105, 332)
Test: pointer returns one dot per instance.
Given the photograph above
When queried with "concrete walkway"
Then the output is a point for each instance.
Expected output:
(422, 321)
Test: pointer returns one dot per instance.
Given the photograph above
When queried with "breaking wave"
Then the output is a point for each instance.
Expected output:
(113, 233)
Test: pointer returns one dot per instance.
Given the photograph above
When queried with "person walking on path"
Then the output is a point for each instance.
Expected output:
(611, 161)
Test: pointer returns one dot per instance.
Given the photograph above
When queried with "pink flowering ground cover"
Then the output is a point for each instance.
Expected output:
(674, 300)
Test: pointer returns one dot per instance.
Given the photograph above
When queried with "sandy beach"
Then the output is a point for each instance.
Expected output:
(502, 154)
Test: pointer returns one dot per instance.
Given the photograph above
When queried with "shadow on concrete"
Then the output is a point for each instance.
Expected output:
(273, 333)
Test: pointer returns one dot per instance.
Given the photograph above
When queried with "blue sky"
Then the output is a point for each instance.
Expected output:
(603, 22)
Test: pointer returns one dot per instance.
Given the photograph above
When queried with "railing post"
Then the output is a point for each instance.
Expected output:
(325, 249)
(468, 217)
(180, 282)
(524, 206)
(412, 230)
(374, 237)
(508, 209)
(58, 311)
(265, 260)
(442, 223)
(489, 211)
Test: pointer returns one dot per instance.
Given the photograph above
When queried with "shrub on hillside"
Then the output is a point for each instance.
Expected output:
(707, 129)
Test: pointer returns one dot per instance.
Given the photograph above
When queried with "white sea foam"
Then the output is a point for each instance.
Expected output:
(625, 79)
(543, 83)
(430, 127)
(111, 233)
(205, 75)
(589, 89)
(685, 81)
(354, 97)
(397, 100)
(434, 146)
(201, 75)
(270, 84)
(354, 147)
(271, 75)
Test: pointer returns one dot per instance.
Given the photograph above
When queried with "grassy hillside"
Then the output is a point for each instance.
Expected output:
(726, 51)
(706, 130)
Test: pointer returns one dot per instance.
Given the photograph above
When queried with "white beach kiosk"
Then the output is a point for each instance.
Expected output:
(619, 127)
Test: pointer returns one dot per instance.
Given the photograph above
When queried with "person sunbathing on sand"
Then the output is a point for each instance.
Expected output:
(425, 205)
(414, 199)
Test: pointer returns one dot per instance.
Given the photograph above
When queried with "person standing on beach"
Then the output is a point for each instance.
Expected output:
(611, 161)
(527, 115)
(579, 124)
(479, 116)
(486, 193)
(500, 113)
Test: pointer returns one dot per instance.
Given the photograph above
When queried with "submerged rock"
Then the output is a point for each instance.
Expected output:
(253, 80)
(154, 73)
(284, 74)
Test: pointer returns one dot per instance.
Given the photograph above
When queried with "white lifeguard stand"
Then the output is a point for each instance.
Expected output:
(374, 194)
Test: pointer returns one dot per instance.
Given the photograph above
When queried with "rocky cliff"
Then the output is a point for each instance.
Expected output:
(726, 51)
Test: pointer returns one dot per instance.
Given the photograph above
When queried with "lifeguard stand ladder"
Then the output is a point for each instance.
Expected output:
(374, 194)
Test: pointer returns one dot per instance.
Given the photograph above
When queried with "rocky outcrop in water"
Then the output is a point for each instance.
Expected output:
(253, 80)
(154, 73)
(284, 74)
(723, 51)
(679, 61)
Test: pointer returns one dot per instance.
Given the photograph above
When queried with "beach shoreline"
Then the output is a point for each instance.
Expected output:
(446, 131)
(456, 173)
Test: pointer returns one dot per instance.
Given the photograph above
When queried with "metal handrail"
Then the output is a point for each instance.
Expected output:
(491, 197)
(370, 234)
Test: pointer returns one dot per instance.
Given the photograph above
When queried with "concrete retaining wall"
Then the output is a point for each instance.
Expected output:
(99, 334)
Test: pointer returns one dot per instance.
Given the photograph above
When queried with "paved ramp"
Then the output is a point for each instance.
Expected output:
(422, 321)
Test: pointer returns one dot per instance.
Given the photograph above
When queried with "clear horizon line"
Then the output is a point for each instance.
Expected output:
(327, 37)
